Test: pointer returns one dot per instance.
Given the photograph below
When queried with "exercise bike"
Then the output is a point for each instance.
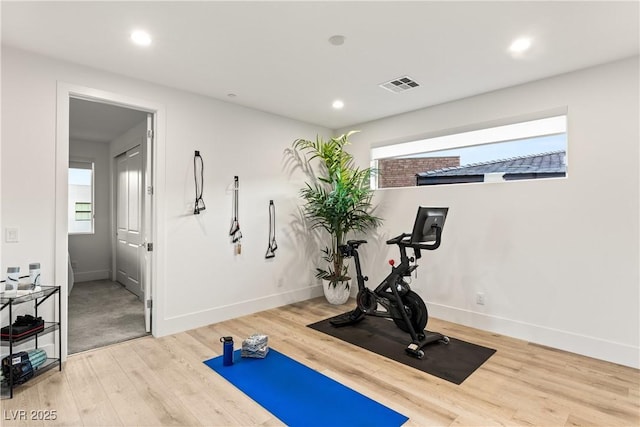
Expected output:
(393, 298)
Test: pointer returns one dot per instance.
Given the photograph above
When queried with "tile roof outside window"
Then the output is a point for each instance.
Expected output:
(533, 166)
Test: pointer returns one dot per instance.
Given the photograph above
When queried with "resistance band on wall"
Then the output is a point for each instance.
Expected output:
(271, 249)
(199, 203)
(234, 232)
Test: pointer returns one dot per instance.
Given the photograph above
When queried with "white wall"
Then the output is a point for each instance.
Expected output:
(200, 280)
(91, 253)
(128, 140)
(556, 259)
(556, 267)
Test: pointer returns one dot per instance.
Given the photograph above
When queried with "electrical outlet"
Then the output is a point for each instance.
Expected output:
(480, 298)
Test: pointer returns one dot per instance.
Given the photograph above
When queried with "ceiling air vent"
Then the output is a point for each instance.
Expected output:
(400, 84)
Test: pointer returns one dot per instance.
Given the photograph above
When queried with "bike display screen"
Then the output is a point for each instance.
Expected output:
(426, 218)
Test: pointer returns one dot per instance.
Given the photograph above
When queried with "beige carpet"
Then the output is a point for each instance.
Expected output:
(101, 313)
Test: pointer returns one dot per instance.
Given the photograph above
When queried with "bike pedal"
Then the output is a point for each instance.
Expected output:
(414, 350)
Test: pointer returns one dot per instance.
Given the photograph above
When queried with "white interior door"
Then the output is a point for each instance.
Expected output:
(129, 234)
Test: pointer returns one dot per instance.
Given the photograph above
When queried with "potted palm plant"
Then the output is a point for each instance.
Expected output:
(338, 200)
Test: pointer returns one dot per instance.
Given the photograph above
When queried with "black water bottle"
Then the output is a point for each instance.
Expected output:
(227, 351)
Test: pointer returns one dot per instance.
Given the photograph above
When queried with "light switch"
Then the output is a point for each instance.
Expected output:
(12, 234)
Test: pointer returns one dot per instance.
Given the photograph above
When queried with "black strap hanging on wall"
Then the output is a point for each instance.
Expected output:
(199, 203)
(271, 249)
(234, 232)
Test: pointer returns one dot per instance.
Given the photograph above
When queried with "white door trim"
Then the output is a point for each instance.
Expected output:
(65, 91)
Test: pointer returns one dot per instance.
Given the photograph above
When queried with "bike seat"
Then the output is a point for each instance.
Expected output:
(355, 243)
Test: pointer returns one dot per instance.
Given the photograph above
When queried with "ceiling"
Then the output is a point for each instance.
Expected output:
(275, 56)
(96, 122)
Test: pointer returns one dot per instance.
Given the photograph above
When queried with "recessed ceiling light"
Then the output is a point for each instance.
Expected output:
(141, 38)
(336, 40)
(337, 104)
(520, 45)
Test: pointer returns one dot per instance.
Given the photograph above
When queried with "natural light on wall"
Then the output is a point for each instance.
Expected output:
(532, 149)
(80, 208)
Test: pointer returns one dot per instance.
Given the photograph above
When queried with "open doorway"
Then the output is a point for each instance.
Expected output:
(107, 214)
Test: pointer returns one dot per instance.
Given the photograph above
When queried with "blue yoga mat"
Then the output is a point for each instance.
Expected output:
(300, 396)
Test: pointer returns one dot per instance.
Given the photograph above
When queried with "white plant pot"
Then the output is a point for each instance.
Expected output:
(336, 295)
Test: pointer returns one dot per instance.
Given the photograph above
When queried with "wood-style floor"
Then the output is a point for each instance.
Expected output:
(154, 382)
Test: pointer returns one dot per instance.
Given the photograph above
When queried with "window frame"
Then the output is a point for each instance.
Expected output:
(84, 164)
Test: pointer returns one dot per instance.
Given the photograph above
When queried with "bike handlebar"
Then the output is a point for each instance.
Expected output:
(399, 240)
(431, 246)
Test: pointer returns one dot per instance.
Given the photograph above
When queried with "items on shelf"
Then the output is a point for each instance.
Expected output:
(23, 365)
(12, 287)
(256, 346)
(37, 357)
(271, 248)
(23, 327)
(27, 330)
(34, 273)
(18, 366)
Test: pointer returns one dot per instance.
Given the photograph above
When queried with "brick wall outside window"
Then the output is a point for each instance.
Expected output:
(402, 172)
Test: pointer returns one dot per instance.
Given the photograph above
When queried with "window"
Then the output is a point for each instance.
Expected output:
(81, 214)
(83, 211)
(533, 149)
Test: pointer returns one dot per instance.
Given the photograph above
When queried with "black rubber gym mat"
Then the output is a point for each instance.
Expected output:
(453, 362)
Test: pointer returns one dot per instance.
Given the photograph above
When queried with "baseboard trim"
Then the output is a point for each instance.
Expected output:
(172, 325)
(595, 347)
(87, 276)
